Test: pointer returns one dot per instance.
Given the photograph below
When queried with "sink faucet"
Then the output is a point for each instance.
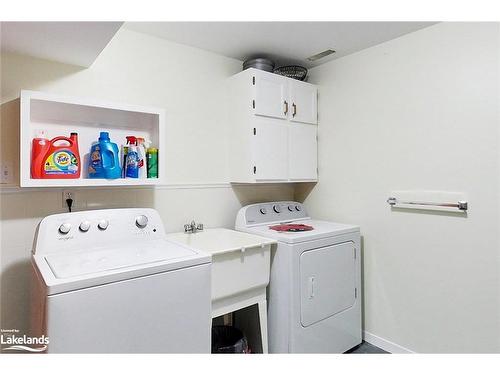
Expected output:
(193, 227)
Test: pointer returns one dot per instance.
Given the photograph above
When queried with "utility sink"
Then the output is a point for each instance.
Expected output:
(240, 261)
(241, 265)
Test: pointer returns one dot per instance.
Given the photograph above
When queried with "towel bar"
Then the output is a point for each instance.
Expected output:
(460, 205)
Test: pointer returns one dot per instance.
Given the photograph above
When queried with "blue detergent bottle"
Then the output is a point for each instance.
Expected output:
(104, 161)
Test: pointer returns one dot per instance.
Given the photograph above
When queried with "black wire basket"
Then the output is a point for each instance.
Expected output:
(292, 71)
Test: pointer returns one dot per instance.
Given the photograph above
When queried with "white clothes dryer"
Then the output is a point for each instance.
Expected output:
(314, 294)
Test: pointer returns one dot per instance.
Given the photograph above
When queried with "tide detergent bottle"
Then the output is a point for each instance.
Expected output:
(104, 159)
(55, 158)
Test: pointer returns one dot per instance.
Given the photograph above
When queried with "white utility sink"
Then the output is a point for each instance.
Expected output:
(241, 265)
(240, 261)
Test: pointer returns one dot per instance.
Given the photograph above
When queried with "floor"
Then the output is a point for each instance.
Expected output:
(366, 348)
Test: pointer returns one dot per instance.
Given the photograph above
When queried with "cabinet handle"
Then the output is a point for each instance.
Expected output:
(286, 107)
(294, 109)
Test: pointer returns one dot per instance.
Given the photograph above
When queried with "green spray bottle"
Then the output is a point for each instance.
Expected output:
(152, 162)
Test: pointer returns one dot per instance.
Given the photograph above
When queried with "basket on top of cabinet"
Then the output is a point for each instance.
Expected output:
(273, 128)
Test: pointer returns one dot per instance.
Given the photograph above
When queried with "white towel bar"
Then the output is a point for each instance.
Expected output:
(461, 206)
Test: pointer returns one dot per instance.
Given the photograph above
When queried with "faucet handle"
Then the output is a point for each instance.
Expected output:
(193, 227)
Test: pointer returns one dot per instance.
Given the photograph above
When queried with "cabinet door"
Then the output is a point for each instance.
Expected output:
(270, 95)
(303, 102)
(270, 151)
(303, 152)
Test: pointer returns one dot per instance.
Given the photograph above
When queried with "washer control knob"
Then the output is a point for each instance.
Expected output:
(298, 208)
(65, 228)
(103, 224)
(263, 211)
(141, 221)
(276, 208)
(291, 207)
(85, 225)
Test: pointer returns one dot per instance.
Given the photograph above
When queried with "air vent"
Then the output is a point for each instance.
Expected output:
(321, 55)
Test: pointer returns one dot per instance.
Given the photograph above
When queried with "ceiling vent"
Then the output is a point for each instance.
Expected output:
(321, 55)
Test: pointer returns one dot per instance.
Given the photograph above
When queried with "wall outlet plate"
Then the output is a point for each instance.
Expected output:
(69, 194)
(7, 173)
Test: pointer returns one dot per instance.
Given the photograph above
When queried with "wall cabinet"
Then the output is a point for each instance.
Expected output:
(272, 127)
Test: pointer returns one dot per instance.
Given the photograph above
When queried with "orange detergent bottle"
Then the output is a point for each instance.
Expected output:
(55, 158)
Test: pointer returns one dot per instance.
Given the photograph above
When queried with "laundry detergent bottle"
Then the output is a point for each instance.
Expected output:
(104, 159)
(39, 147)
(55, 158)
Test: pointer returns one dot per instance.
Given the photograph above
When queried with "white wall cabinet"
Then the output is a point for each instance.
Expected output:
(272, 127)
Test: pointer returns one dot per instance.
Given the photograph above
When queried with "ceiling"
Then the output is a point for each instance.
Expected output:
(77, 43)
(284, 42)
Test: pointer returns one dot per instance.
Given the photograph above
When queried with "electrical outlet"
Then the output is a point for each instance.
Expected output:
(7, 173)
(69, 194)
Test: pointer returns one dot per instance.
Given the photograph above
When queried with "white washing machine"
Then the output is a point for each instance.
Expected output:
(107, 281)
(314, 294)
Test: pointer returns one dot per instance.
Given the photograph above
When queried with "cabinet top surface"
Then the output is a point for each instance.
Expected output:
(263, 73)
(26, 95)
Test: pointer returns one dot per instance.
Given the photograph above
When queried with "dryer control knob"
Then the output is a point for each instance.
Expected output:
(85, 225)
(263, 211)
(65, 228)
(103, 224)
(291, 207)
(298, 208)
(276, 208)
(141, 221)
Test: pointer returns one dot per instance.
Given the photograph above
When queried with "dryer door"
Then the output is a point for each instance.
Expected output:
(327, 282)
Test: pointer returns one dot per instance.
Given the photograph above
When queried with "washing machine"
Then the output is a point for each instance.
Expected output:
(108, 281)
(314, 294)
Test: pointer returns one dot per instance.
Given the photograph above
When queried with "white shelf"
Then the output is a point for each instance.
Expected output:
(58, 115)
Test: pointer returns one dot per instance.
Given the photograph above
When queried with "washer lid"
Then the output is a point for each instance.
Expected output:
(62, 272)
(89, 262)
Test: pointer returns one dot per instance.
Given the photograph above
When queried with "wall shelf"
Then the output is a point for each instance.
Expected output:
(58, 115)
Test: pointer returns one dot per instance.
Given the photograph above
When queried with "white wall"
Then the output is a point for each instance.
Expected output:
(138, 69)
(418, 112)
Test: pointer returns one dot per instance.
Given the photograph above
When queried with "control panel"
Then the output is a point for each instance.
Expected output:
(270, 212)
(89, 229)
